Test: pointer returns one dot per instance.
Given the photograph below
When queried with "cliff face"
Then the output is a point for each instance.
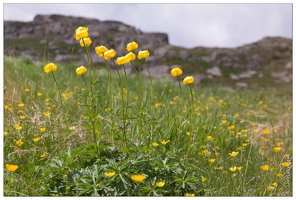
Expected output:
(51, 37)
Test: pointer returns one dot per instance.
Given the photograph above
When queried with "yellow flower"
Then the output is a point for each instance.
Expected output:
(270, 188)
(277, 149)
(209, 137)
(203, 179)
(42, 129)
(188, 133)
(233, 169)
(224, 121)
(19, 142)
(233, 154)
(5, 132)
(230, 127)
(130, 56)
(20, 105)
(264, 167)
(36, 139)
(265, 131)
(274, 184)
(100, 50)
(122, 60)
(239, 168)
(143, 54)
(160, 184)
(81, 32)
(109, 54)
(27, 90)
(286, 164)
(109, 174)
(165, 142)
(11, 168)
(44, 155)
(22, 117)
(189, 195)
(138, 178)
(154, 144)
(85, 41)
(188, 80)
(46, 114)
(51, 67)
(39, 94)
(18, 127)
(279, 175)
(212, 160)
(244, 144)
(80, 70)
(132, 46)
(176, 71)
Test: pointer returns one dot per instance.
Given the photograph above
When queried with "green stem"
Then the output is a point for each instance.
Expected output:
(179, 84)
(140, 84)
(57, 85)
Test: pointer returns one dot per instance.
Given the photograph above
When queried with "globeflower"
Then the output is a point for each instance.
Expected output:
(131, 56)
(286, 164)
(143, 54)
(122, 60)
(109, 174)
(80, 70)
(264, 167)
(85, 41)
(277, 149)
(132, 46)
(233, 154)
(81, 32)
(188, 80)
(176, 71)
(155, 144)
(189, 195)
(109, 54)
(138, 178)
(160, 184)
(100, 50)
(11, 168)
(51, 67)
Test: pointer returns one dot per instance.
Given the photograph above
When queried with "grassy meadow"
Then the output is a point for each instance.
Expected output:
(108, 133)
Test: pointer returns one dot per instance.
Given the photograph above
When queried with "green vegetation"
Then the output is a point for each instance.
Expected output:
(220, 144)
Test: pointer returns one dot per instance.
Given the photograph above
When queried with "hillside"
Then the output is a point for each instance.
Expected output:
(264, 63)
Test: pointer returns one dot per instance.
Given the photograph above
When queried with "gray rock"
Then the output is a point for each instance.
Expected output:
(241, 85)
(215, 71)
(160, 71)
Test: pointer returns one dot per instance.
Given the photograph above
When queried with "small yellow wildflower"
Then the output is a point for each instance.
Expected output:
(46, 114)
(109, 174)
(100, 50)
(11, 168)
(188, 133)
(224, 121)
(188, 80)
(230, 127)
(212, 160)
(160, 184)
(176, 71)
(233, 154)
(85, 41)
(138, 178)
(277, 149)
(122, 60)
(18, 127)
(244, 144)
(36, 139)
(203, 179)
(20, 105)
(155, 144)
(27, 90)
(5, 132)
(80, 70)
(286, 164)
(264, 167)
(165, 142)
(209, 137)
(233, 169)
(274, 184)
(44, 155)
(109, 54)
(239, 168)
(279, 175)
(143, 54)
(22, 117)
(265, 131)
(270, 188)
(19, 142)
(260, 102)
(51, 67)
(130, 56)
(132, 46)
(80, 33)
(39, 94)
(42, 129)
(189, 194)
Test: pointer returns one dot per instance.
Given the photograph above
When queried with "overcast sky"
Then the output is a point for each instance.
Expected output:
(188, 25)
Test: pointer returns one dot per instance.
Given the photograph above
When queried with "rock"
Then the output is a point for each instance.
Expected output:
(160, 71)
(215, 71)
(234, 77)
(241, 85)
(247, 74)
(199, 77)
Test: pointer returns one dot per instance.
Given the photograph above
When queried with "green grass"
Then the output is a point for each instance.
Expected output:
(66, 161)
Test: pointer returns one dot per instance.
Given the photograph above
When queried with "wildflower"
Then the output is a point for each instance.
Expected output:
(239, 168)
(286, 164)
(5, 132)
(109, 54)
(109, 174)
(233, 154)
(203, 179)
(154, 144)
(130, 56)
(27, 90)
(42, 129)
(205, 152)
(100, 50)
(212, 160)
(85, 41)
(188, 133)
(265, 131)
(20, 105)
(224, 121)
(138, 178)
(244, 144)
(22, 117)
(81, 32)
(19, 142)
(264, 167)
(36, 139)
(189, 195)
(277, 149)
(132, 46)
(274, 184)
(44, 155)
(80, 70)
(72, 128)
(233, 169)
(122, 60)
(51, 67)
(209, 137)
(11, 168)
(176, 71)
(188, 80)
(18, 127)
(39, 94)
(160, 184)
(260, 102)
(46, 114)
(230, 127)
(143, 54)
(279, 175)
(270, 188)
(165, 142)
